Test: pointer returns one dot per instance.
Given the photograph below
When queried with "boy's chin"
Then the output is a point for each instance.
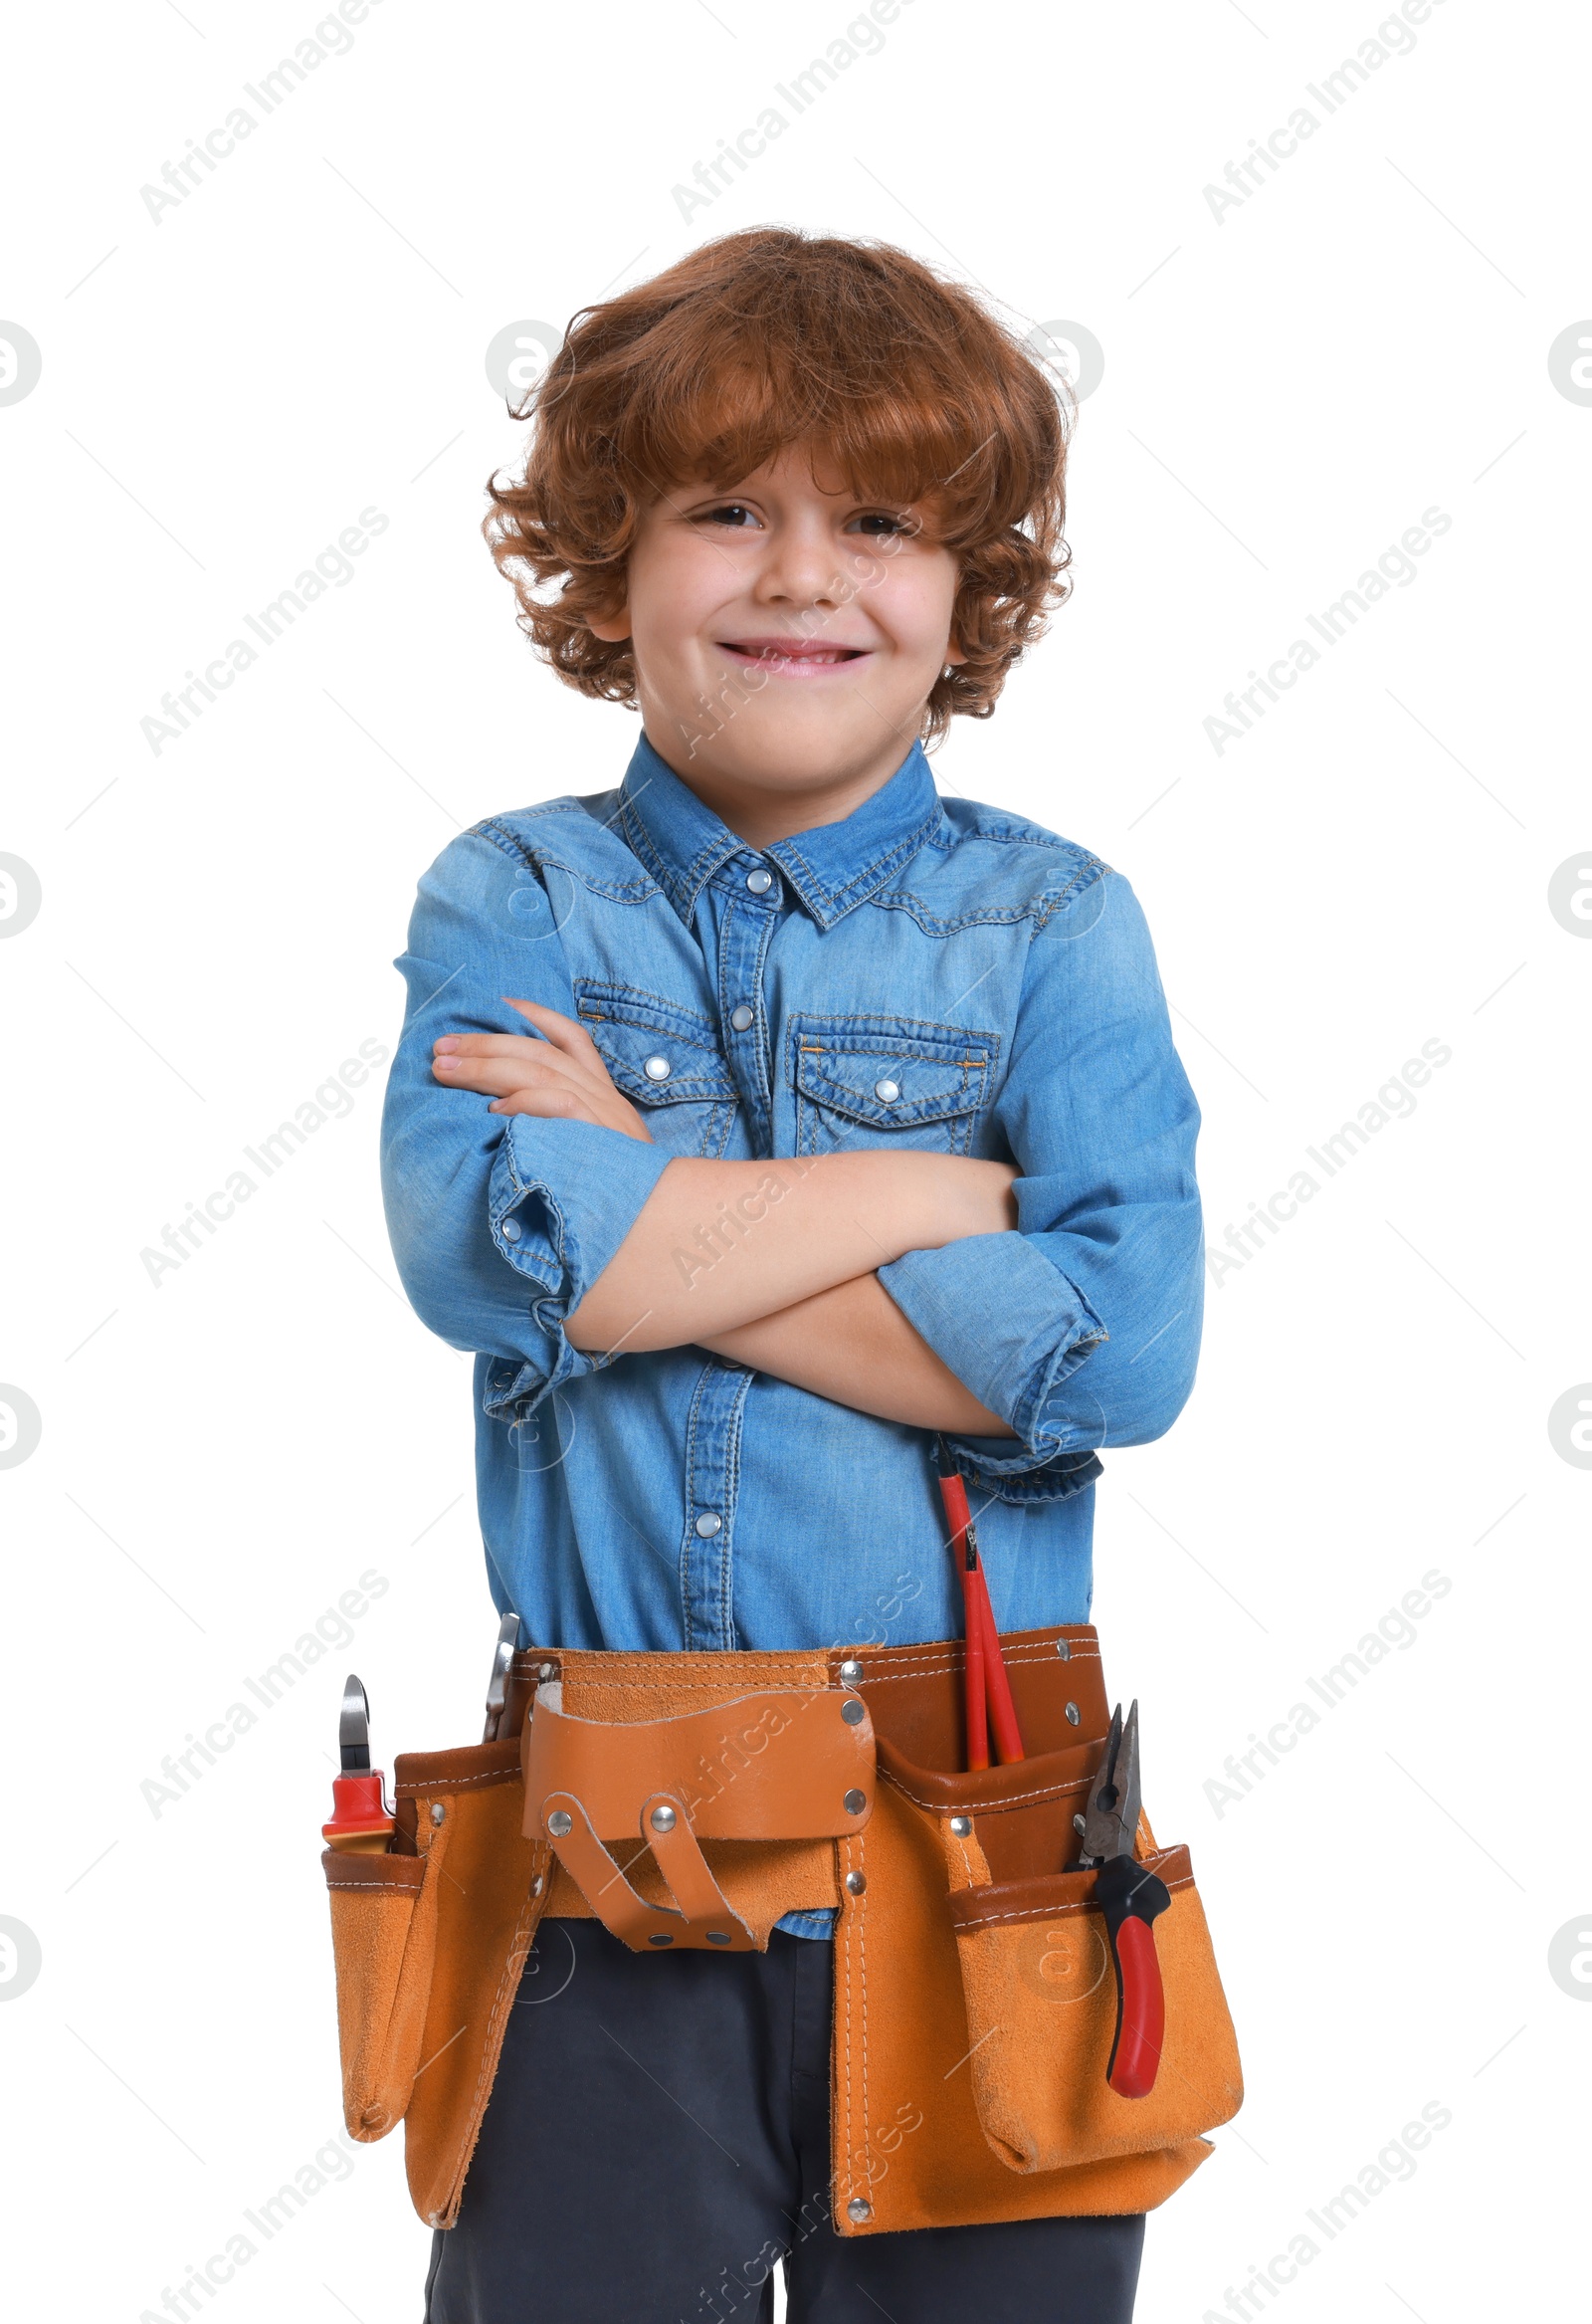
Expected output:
(789, 758)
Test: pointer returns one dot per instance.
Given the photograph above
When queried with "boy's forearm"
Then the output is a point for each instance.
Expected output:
(853, 1346)
(719, 1244)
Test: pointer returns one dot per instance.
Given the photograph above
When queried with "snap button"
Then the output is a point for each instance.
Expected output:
(662, 1820)
(857, 2210)
(1074, 1714)
(856, 1882)
(961, 1825)
(718, 1935)
(759, 881)
(438, 1811)
(854, 1802)
(709, 1524)
(886, 1092)
(742, 1017)
(510, 1230)
(850, 1673)
(1064, 1649)
(560, 1823)
(854, 1712)
(656, 1068)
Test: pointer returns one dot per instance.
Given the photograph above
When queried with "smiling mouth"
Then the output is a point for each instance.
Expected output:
(791, 657)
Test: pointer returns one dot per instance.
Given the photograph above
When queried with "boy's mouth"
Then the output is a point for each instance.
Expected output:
(789, 657)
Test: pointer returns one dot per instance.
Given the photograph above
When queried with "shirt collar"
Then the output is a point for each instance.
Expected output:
(832, 869)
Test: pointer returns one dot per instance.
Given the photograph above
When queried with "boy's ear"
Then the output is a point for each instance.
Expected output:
(954, 652)
(613, 628)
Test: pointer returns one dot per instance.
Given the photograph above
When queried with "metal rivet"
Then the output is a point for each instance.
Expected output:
(656, 1068)
(546, 1669)
(759, 881)
(559, 1822)
(850, 1672)
(856, 1882)
(854, 1802)
(854, 1712)
(961, 1825)
(660, 1939)
(1064, 1649)
(718, 1935)
(662, 1819)
(1074, 1714)
(1081, 1826)
(858, 2209)
(537, 1885)
(742, 1018)
(438, 1811)
(886, 1092)
(709, 1524)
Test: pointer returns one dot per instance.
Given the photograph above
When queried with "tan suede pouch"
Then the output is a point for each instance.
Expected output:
(909, 2146)
(975, 1998)
(383, 1940)
(1040, 1994)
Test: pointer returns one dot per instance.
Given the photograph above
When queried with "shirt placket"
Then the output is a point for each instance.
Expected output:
(752, 898)
(712, 1469)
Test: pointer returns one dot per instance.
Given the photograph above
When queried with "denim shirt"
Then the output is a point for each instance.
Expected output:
(928, 973)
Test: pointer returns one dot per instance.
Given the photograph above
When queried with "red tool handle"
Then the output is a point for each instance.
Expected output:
(975, 1669)
(1003, 1727)
(359, 1818)
(1143, 2027)
(1132, 1898)
(991, 1713)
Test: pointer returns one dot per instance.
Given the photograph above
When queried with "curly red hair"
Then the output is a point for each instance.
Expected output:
(770, 339)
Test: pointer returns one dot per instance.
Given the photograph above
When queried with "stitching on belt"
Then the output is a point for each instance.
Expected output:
(985, 1807)
(414, 1790)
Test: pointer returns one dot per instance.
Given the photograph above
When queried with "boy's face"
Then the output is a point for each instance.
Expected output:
(787, 637)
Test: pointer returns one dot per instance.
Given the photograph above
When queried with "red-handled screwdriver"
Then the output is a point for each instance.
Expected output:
(362, 1822)
(987, 1690)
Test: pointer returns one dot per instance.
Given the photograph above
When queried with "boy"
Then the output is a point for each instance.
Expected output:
(752, 1123)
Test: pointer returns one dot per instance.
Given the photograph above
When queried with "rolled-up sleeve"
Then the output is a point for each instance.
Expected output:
(1082, 1329)
(500, 1222)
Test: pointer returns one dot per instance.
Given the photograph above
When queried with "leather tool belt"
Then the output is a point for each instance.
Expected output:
(689, 1802)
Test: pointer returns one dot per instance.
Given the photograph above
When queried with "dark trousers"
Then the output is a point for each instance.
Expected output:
(657, 2144)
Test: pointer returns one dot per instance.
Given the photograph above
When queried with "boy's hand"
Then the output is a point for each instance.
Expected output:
(560, 1076)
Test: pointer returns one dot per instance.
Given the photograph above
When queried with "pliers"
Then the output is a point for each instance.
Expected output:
(1130, 1897)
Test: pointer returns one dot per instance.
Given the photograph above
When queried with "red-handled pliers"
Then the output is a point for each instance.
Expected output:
(991, 1712)
(1130, 1897)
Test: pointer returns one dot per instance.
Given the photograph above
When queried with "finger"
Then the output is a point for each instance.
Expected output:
(490, 1045)
(496, 1077)
(561, 1031)
(550, 1105)
(457, 1054)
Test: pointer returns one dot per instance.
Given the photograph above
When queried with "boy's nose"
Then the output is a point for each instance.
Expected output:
(800, 568)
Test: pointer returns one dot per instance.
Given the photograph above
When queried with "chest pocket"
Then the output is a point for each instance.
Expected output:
(666, 1059)
(872, 1081)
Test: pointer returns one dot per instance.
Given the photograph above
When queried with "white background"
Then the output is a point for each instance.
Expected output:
(1287, 388)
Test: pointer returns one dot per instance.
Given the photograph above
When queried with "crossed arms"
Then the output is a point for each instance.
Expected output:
(802, 1299)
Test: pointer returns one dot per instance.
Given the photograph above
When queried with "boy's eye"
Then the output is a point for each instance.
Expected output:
(879, 523)
(731, 513)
